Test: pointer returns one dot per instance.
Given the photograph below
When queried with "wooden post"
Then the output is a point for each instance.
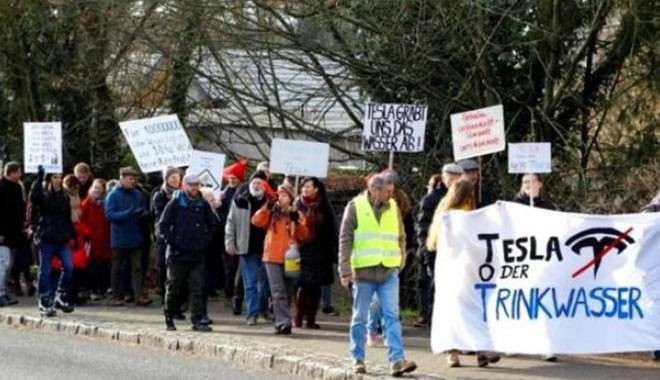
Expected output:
(480, 182)
(391, 164)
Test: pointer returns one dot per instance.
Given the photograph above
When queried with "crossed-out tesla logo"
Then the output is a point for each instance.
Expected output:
(601, 240)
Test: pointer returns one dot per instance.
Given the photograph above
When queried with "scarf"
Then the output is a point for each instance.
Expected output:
(311, 208)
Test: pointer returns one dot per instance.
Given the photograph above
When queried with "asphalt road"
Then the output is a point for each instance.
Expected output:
(41, 355)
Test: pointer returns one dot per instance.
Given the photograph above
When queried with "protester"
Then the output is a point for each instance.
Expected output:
(78, 255)
(483, 196)
(51, 213)
(653, 206)
(246, 240)
(125, 209)
(459, 197)
(450, 173)
(12, 221)
(213, 254)
(98, 229)
(171, 183)
(83, 173)
(434, 182)
(186, 226)
(531, 185)
(372, 251)
(234, 175)
(285, 228)
(318, 254)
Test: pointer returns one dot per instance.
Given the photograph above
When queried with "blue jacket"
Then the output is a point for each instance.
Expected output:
(187, 225)
(125, 209)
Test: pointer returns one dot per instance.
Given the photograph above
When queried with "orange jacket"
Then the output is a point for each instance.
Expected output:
(278, 234)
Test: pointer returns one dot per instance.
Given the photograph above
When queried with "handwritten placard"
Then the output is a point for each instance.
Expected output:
(530, 158)
(42, 145)
(208, 166)
(394, 127)
(477, 133)
(157, 142)
(301, 158)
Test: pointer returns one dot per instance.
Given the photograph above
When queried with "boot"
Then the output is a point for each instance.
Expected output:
(237, 306)
(169, 323)
(46, 307)
(298, 317)
(62, 303)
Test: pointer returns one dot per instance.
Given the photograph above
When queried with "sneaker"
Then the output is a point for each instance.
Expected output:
(359, 367)
(403, 366)
(61, 303)
(283, 330)
(143, 300)
(201, 328)
(169, 324)
(205, 320)
(251, 321)
(116, 302)
(46, 308)
(373, 340)
(6, 301)
(453, 361)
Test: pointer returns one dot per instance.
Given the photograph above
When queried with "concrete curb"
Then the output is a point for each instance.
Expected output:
(253, 356)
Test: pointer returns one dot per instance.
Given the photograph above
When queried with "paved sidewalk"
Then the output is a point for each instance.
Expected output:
(321, 354)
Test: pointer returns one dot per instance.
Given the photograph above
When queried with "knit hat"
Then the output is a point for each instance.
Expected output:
(287, 190)
(259, 174)
(237, 169)
(169, 171)
(452, 169)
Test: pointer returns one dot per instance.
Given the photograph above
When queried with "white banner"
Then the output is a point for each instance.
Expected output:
(157, 142)
(511, 278)
(208, 166)
(530, 158)
(479, 132)
(42, 145)
(394, 127)
(301, 158)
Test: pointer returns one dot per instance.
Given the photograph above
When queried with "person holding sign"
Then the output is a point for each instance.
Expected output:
(285, 227)
(372, 249)
(162, 196)
(483, 196)
(531, 185)
(53, 228)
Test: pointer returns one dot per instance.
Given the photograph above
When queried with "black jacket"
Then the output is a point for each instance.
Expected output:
(538, 201)
(318, 254)
(426, 210)
(12, 212)
(51, 215)
(187, 225)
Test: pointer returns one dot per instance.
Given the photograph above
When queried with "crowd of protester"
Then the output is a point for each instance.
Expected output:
(269, 248)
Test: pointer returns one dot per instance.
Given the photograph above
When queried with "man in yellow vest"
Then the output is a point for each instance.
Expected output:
(372, 248)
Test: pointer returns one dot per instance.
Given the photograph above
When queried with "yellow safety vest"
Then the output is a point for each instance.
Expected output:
(373, 243)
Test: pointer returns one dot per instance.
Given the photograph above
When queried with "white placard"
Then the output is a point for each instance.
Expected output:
(301, 158)
(394, 127)
(566, 284)
(530, 158)
(157, 142)
(208, 166)
(479, 132)
(42, 145)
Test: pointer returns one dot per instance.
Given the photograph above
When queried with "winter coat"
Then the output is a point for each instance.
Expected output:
(51, 214)
(539, 202)
(97, 229)
(227, 200)
(125, 209)
(278, 233)
(319, 252)
(426, 210)
(161, 198)
(240, 234)
(187, 226)
(12, 212)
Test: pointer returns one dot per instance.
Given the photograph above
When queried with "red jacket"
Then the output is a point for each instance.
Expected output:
(97, 228)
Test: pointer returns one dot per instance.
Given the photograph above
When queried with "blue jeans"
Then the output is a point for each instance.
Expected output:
(255, 283)
(375, 317)
(46, 254)
(388, 293)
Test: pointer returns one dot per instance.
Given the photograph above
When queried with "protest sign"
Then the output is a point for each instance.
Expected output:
(157, 142)
(394, 127)
(42, 145)
(477, 133)
(507, 285)
(299, 158)
(208, 166)
(530, 158)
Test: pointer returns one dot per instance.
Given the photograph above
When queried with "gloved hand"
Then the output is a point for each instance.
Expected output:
(41, 173)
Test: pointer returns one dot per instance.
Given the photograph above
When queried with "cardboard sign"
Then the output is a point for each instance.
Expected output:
(157, 142)
(530, 158)
(42, 145)
(479, 132)
(208, 166)
(394, 127)
(301, 158)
